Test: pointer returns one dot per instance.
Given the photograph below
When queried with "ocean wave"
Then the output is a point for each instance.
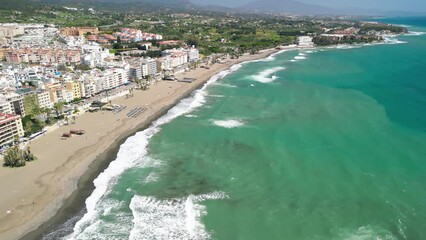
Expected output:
(270, 58)
(299, 58)
(393, 41)
(216, 96)
(265, 76)
(191, 116)
(230, 123)
(293, 60)
(415, 33)
(222, 84)
(366, 233)
(177, 218)
(132, 153)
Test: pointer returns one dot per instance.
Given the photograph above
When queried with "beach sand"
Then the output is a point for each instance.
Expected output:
(33, 194)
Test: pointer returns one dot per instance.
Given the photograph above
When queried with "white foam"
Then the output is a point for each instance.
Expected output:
(415, 33)
(177, 218)
(191, 116)
(293, 60)
(302, 54)
(152, 177)
(299, 58)
(131, 153)
(216, 96)
(310, 51)
(230, 123)
(225, 84)
(366, 233)
(265, 76)
(270, 58)
(390, 40)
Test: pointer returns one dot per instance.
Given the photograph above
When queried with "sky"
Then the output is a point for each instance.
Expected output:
(383, 5)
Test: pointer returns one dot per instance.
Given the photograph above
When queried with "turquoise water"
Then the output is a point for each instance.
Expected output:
(309, 144)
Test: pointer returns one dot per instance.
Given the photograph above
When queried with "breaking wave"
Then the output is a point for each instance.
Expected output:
(265, 76)
(177, 218)
(230, 123)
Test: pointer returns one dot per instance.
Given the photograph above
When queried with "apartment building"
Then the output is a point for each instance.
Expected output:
(10, 128)
(15, 101)
(43, 56)
(74, 87)
(43, 98)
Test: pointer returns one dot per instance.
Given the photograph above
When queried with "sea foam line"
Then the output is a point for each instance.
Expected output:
(134, 150)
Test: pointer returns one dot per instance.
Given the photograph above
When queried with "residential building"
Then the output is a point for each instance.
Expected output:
(193, 54)
(43, 56)
(57, 92)
(10, 30)
(75, 88)
(151, 65)
(44, 101)
(135, 72)
(78, 31)
(15, 101)
(10, 128)
(305, 41)
(5, 107)
(178, 56)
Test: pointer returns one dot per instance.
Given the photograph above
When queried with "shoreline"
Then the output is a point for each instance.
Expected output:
(49, 195)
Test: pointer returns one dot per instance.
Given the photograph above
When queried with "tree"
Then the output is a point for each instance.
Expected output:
(139, 82)
(28, 156)
(58, 108)
(117, 45)
(192, 41)
(13, 157)
(28, 128)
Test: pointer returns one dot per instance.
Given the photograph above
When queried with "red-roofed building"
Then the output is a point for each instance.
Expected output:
(10, 128)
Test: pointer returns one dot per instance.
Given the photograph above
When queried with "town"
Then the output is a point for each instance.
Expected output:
(50, 74)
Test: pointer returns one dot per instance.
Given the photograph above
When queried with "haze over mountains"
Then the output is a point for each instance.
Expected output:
(286, 6)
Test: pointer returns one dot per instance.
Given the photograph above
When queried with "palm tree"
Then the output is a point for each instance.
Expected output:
(58, 108)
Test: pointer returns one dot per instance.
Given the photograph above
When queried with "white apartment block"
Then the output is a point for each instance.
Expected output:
(44, 100)
(193, 54)
(150, 66)
(99, 81)
(10, 128)
(305, 41)
(15, 101)
(5, 107)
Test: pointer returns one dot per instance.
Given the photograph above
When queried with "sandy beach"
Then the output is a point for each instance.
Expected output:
(33, 194)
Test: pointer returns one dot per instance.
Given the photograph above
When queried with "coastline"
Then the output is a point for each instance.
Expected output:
(53, 188)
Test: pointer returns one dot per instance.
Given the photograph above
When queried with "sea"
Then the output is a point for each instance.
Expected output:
(318, 144)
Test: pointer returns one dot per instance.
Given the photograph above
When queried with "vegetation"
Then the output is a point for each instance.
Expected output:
(32, 125)
(329, 40)
(15, 157)
(31, 104)
(59, 106)
(378, 27)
